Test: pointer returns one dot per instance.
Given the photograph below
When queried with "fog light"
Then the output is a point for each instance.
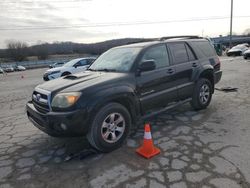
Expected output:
(63, 126)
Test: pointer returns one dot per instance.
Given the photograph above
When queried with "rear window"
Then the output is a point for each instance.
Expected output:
(205, 48)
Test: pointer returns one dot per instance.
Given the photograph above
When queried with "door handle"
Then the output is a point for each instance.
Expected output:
(170, 71)
(194, 64)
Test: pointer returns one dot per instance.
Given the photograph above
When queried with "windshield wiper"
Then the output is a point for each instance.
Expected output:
(107, 70)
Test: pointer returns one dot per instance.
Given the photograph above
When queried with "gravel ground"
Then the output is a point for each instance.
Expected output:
(209, 148)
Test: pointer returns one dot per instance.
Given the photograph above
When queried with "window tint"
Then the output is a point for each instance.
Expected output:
(191, 56)
(158, 54)
(179, 52)
(205, 48)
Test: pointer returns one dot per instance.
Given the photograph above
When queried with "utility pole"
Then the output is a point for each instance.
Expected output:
(231, 24)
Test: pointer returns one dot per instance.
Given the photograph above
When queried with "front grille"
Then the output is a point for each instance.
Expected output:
(41, 101)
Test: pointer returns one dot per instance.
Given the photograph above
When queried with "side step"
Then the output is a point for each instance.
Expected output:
(165, 109)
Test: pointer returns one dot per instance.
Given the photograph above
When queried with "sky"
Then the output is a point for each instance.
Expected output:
(88, 21)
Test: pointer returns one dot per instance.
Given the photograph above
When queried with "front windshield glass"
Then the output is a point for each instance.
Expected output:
(71, 63)
(116, 59)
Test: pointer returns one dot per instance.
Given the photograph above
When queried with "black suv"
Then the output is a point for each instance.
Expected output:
(124, 85)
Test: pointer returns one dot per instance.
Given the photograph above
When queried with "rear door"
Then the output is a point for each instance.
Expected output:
(186, 64)
(155, 88)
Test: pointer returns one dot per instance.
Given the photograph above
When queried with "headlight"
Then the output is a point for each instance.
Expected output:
(54, 72)
(64, 100)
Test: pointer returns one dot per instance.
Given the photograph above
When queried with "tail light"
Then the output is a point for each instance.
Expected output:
(217, 64)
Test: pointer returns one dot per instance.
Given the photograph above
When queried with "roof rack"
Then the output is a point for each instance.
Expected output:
(181, 36)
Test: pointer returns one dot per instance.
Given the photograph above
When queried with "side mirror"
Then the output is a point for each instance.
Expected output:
(75, 65)
(147, 65)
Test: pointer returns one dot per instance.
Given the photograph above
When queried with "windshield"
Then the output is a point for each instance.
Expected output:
(71, 63)
(116, 59)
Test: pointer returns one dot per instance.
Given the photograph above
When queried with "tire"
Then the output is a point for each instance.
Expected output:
(202, 94)
(245, 57)
(103, 135)
(65, 74)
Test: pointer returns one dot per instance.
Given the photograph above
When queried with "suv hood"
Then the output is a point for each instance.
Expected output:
(81, 81)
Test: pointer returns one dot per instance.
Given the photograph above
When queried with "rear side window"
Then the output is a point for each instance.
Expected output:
(205, 48)
(159, 54)
(191, 56)
(179, 52)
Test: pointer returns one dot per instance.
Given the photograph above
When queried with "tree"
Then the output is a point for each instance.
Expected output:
(42, 51)
(17, 50)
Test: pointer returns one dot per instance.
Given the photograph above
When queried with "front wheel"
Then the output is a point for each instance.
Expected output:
(109, 127)
(202, 94)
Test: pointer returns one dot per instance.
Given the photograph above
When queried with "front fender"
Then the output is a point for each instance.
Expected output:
(124, 95)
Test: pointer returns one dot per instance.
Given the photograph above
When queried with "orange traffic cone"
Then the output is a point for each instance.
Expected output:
(148, 150)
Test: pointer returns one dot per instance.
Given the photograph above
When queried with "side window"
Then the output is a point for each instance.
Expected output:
(82, 62)
(191, 56)
(179, 52)
(205, 48)
(89, 61)
(159, 54)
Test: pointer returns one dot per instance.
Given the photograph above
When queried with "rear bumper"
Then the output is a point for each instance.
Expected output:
(59, 124)
(217, 76)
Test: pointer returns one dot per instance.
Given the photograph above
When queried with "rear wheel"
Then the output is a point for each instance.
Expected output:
(202, 94)
(109, 127)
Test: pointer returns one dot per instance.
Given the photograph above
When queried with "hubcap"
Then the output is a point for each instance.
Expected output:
(204, 94)
(113, 127)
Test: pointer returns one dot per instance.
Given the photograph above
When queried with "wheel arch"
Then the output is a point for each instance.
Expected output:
(127, 99)
(208, 74)
(65, 73)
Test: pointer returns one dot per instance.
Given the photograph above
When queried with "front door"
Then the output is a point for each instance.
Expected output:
(155, 88)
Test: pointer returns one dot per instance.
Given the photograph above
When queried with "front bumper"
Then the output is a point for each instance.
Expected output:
(59, 124)
(217, 76)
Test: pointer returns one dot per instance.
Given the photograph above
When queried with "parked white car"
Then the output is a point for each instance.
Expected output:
(9, 69)
(58, 64)
(19, 68)
(237, 50)
(71, 67)
(1, 71)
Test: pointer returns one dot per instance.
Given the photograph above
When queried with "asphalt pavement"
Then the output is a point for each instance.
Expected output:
(206, 149)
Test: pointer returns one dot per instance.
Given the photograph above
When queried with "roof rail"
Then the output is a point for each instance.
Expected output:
(181, 36)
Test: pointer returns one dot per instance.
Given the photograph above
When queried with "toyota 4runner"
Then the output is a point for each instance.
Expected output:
(124, 85)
